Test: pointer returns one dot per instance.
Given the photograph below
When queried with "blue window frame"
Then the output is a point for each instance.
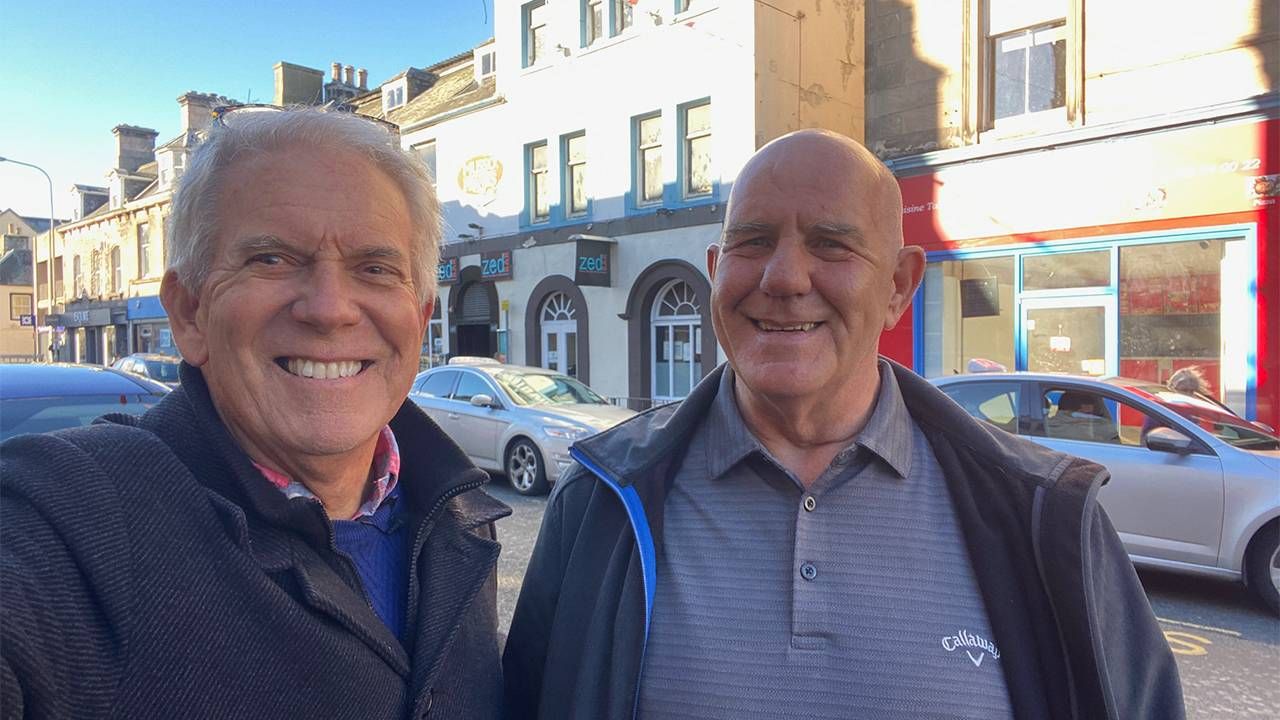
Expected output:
(696, 173)
(533, 25)
(573, 174)
(647, 188)
(537, 179)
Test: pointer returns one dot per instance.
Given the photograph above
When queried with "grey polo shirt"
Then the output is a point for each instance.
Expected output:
(854, 599)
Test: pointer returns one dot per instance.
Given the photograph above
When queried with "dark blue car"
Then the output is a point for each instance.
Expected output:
(41, 398)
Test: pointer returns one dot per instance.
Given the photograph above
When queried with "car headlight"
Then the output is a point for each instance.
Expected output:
(565, 433)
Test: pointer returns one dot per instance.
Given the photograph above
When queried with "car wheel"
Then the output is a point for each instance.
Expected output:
(525, 470)
(1262, 566)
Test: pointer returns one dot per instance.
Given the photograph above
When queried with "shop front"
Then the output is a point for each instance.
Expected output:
(94, 332)
(149, 326)
(1135, 256)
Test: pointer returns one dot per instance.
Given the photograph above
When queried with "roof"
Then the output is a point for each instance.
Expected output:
(65, 379)
(452, 91)
(40, 225)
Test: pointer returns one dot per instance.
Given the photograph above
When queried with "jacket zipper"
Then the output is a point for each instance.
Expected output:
(427, 521)
(644, 563)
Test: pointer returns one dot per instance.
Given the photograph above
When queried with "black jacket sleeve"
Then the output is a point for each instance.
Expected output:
(1136, 667)
(65, 582)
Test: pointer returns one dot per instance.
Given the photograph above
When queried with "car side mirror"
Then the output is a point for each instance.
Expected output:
(482, 400)
(1163, 439)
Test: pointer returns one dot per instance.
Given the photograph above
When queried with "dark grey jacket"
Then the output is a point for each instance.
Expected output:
(149, 571)
(1077, 636)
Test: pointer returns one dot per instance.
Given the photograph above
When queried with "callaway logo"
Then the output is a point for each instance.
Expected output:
(975, 646)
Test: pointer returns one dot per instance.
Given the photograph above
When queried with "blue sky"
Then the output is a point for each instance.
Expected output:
(77, 69)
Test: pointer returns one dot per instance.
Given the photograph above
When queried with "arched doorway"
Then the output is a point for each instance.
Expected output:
(556, 328)
(686, 293)
(473, 315)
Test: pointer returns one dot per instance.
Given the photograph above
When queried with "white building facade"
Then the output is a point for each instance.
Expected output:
(583, 158)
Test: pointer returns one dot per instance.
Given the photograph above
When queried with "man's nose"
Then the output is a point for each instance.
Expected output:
(327, 300)
(786, 272)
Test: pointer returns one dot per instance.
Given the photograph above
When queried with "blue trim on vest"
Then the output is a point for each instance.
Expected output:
(639, 524)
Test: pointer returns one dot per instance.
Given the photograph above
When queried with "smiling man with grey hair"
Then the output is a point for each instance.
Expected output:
(284, 535)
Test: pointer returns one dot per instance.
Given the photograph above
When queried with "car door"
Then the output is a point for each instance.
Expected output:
(479, 429)
(431, 393)
(1165, 506)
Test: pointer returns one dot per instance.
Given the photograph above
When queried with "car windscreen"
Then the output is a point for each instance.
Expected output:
(1213, 417)
(46, 414)
(543, 389)
(162, 370)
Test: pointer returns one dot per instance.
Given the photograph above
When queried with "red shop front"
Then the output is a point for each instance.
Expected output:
(1134, 255)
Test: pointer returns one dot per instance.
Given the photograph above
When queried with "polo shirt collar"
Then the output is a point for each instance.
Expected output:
(888, 432)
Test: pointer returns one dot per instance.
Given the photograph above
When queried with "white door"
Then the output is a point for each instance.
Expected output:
(560, 335)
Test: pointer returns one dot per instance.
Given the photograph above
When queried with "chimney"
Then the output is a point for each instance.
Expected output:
(362, 77)
(335, 72)
(197, 110)
(298, 85)
(135, 147)
(350, 75)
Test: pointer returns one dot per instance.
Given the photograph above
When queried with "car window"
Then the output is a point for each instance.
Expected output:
(39, 415)
(544, 388)
(470, 385)
(1073, 413)
(1212, 416)
(995, 402)
(161, 370)
(437, 384)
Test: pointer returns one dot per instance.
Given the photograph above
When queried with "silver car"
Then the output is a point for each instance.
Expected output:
(1194, 487)
(514, 419)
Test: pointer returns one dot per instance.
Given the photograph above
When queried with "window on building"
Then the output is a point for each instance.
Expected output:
(969, 314)
(560, 334)
(1027, 57)
(19, 305)
(648, 160)
(117, 272)
(622, 16)
(77, 281)
(592, 20)
(393, 97)
(697, 179)
(539, 200)
(677, 342)
(535, 32)
(575, 174)
(488, 64)
(426, 152)
(144, 251)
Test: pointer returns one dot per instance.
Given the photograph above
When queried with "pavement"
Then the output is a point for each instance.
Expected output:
(1226, 644)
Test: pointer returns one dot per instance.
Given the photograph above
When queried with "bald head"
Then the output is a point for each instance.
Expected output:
(823, 158)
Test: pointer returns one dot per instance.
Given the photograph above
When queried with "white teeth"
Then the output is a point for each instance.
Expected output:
(323, 370)
(801, 327)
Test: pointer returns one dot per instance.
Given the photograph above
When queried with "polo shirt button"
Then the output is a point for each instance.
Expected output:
(808, 571)
(810, 503)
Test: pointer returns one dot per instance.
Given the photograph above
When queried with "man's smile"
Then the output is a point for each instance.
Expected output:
(317, 369)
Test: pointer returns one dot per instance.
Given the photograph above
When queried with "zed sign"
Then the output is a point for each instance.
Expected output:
(496, 265)
(447, 271)
(593, 265)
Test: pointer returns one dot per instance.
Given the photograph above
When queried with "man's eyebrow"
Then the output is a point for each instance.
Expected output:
(747, 228)
(377, 251)
(260, 243)
(836, 228)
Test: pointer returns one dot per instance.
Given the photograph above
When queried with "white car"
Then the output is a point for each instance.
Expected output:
(514, 419)
(1194, 487)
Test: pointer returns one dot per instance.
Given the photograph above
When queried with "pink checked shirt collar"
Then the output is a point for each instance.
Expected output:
(385, 472)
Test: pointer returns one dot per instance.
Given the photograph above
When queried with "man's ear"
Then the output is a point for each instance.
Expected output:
(713, 256)
(428, 307)
(188, 328)
(907, 274)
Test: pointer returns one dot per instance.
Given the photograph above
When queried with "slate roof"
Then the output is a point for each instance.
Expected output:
(455, 88)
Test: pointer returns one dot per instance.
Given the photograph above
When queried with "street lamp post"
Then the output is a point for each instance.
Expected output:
(35, 265)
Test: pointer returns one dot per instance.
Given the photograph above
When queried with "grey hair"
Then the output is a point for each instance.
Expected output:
(193, 224)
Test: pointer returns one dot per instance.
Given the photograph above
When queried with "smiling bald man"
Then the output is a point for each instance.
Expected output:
(816, 532)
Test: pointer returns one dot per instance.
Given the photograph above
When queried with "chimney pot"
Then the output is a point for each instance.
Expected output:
(336, 72)
(362, 76)
(350, 72)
